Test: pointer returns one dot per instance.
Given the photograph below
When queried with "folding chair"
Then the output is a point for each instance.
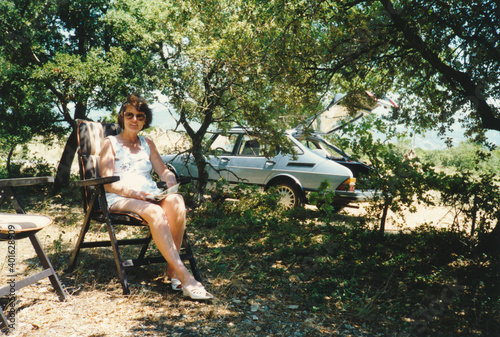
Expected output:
(90, 136)
(18, 226)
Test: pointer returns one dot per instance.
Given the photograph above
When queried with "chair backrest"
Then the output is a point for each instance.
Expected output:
(90, 136)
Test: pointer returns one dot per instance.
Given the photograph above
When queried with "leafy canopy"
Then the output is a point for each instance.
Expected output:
(439, 57)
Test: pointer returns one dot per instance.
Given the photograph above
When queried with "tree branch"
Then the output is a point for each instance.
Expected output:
(470, 90)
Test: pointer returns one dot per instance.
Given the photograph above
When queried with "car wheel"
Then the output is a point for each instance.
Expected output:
(290, 195)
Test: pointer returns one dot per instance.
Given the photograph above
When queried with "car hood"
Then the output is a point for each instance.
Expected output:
(337, 115)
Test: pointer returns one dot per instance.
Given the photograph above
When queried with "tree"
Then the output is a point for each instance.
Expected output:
(218, 62)
(439, 57)
(18, 122)
(69, 61)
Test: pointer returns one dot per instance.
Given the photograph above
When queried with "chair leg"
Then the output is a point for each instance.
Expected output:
(78, 244)
(4, 323)
(122, 275)
(190, 257)
(145, 246)
(188, 254)
(47, 265)
(81, 237)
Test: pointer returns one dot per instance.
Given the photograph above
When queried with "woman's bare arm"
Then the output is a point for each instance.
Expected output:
(159, 166)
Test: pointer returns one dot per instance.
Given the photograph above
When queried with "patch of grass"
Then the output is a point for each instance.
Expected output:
(331, 267)
(338, 268)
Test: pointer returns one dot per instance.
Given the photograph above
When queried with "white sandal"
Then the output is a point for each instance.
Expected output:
(196, 293)
(176, 284)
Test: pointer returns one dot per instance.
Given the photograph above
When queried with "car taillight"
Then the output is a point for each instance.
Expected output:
(348, 185)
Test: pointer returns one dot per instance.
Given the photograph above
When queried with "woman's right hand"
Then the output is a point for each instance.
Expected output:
(141, 195)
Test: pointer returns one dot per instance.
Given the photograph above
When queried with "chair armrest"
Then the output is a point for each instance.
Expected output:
(27, 181)
(97, 181)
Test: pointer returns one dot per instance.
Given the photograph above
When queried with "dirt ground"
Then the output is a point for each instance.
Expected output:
(435, 216)
(96, 307)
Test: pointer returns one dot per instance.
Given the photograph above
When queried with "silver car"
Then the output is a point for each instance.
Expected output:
(238, 157)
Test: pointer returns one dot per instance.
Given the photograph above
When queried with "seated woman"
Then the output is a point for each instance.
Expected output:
(131, 157)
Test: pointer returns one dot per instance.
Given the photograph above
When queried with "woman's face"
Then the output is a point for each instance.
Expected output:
(133, 120)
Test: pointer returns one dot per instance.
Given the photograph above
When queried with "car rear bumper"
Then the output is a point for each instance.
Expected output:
(356, 196)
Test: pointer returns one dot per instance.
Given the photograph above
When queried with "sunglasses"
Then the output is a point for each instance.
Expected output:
(130, 115)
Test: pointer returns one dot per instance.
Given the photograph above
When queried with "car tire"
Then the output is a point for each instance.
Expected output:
(291, 194)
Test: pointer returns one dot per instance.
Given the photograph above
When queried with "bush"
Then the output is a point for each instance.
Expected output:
(28, 168)
(466, 156)
(476, 197)
(335, 268)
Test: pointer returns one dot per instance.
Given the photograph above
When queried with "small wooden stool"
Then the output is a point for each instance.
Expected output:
(14, 227)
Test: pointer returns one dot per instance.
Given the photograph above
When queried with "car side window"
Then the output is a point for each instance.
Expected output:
(223, 145)
(315, 147)
(297, 149)
(250, 146)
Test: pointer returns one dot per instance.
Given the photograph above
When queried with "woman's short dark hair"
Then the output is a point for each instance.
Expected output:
(141, 105)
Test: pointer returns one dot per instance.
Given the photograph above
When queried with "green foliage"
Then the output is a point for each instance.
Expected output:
(26, 167)
(218, 63)
(25, 111)
(398, 182)
(476, 197)
(250, 198)
(424, 282)
(467, 156)
(59, 60)
(336, 268)
(404, 182)
(415, 49)
(66, 54)
(324, 199)
(262, 64)
(469, 183)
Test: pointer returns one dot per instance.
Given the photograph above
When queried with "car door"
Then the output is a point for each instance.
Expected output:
(248, 163)
(221, 152)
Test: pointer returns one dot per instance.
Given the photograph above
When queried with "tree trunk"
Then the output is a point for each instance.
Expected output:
(387, 203)
(197, 150)
(202, 172)
(64, 167)
(9, 165)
